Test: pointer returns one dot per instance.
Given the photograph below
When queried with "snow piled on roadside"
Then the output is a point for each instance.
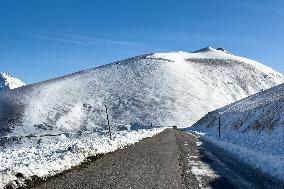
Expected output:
(262, 151)
(251, 128)
(55, 154)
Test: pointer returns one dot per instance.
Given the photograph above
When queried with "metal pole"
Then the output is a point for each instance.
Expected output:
(109, 129)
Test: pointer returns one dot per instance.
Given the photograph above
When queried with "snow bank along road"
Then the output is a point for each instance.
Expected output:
(171, 159)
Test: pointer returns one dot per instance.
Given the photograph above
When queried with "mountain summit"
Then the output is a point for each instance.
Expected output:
(161, 89)
(9, 82)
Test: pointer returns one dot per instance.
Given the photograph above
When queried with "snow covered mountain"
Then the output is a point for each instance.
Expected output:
(9, 82)
(65, 117)
(252, 128)
(164, 89)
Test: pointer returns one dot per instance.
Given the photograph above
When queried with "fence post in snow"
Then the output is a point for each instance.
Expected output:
(220, 126)
(109, 130)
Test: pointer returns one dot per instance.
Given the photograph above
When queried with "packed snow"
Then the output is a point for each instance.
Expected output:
(252, 128)
(141, 93)
(9, 82)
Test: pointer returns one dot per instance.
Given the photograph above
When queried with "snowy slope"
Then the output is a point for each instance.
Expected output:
(161, 89)
(252, 128)
(9, 82)
(164, 89)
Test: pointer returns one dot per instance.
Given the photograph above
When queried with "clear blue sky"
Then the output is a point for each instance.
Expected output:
(43, 39)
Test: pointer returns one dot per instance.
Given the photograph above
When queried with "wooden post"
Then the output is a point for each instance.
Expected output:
(220, 126)
(109, 129)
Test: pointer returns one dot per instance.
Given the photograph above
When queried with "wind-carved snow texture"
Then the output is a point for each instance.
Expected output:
(9, 82)
(154, 90)
(252, 128)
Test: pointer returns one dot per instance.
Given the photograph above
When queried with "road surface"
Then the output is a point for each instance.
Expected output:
(171, 159)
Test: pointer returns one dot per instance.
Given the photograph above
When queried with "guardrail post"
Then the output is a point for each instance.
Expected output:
(220, 126)
(109, 129)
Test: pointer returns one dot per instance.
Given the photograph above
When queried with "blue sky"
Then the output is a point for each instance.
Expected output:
(43, 39)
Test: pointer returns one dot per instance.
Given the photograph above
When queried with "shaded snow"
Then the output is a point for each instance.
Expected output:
(252, 129)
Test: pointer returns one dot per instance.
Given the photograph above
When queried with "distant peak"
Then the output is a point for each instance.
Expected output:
(4, 74)
(7, 81)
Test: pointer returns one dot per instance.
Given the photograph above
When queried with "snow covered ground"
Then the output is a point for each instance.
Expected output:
(48, 155)
(9, 82)
(252, 128)
(161, 89)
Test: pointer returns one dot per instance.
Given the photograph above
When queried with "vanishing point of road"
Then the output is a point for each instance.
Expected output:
(171, 159)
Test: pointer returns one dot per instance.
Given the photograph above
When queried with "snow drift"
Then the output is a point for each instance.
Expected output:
(252, 128)
(154, 90)
(9, 82)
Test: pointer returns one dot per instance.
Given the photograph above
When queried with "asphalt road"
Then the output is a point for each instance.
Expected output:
(171, 159)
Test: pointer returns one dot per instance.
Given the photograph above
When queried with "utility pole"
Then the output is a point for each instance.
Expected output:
(109, 130)
(220, 126)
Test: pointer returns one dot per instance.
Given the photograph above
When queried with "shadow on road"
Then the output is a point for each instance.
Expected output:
(220, 182)
(199, 170)
(234, 173)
